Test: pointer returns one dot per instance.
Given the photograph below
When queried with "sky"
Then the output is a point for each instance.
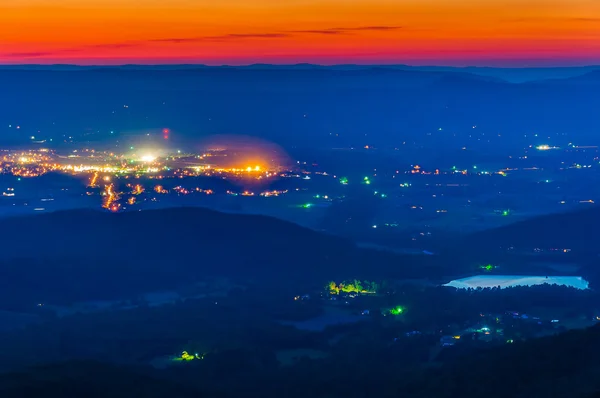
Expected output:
(237, 32)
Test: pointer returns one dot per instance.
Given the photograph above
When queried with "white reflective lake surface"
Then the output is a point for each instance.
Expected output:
(505, 281)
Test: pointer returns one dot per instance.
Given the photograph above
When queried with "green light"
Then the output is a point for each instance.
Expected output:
(355, 286)
(397, 310)
(307, 205)
(317, 196)
(130, 147)
(488, 267)
(368, 182)
(383, 195)
(505, 213)
(366, 178)
(185, 356)
(475, 167)
(343, 181)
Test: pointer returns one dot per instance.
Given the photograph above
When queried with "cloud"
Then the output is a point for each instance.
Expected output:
(60, 51)
(338, 31)
(110, 45)
(585, 19)
(176, 40)
(199, 39)
(373, 28)
(33, 54)
(253, 35)
(320, 31)
(230, 36)
(555, 19)
(275, 35)
(38, 54)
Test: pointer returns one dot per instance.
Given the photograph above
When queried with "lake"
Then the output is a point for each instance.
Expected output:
(504, 281)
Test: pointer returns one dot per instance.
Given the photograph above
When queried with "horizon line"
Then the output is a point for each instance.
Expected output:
(380, 65)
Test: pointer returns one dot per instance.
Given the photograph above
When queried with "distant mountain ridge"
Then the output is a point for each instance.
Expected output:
(303, 106)
(515, 75)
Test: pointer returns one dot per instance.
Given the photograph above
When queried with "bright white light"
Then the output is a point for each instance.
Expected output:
(148, 158)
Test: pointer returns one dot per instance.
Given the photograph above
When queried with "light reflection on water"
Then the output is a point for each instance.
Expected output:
(505, 281)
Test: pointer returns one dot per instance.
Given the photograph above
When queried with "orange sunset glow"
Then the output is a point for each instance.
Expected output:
(452, 32)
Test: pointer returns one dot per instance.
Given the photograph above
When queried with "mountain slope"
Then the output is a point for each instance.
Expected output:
(88, 379)
(578, 231)
(76, 232)
(562, 366)
(557, 366)
(83, 255)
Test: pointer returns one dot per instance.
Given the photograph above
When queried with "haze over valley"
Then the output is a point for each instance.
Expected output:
(304, 230)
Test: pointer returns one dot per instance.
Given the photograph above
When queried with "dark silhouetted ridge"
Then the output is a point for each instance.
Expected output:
(579, 231)
(88, 379)
(83, 254)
